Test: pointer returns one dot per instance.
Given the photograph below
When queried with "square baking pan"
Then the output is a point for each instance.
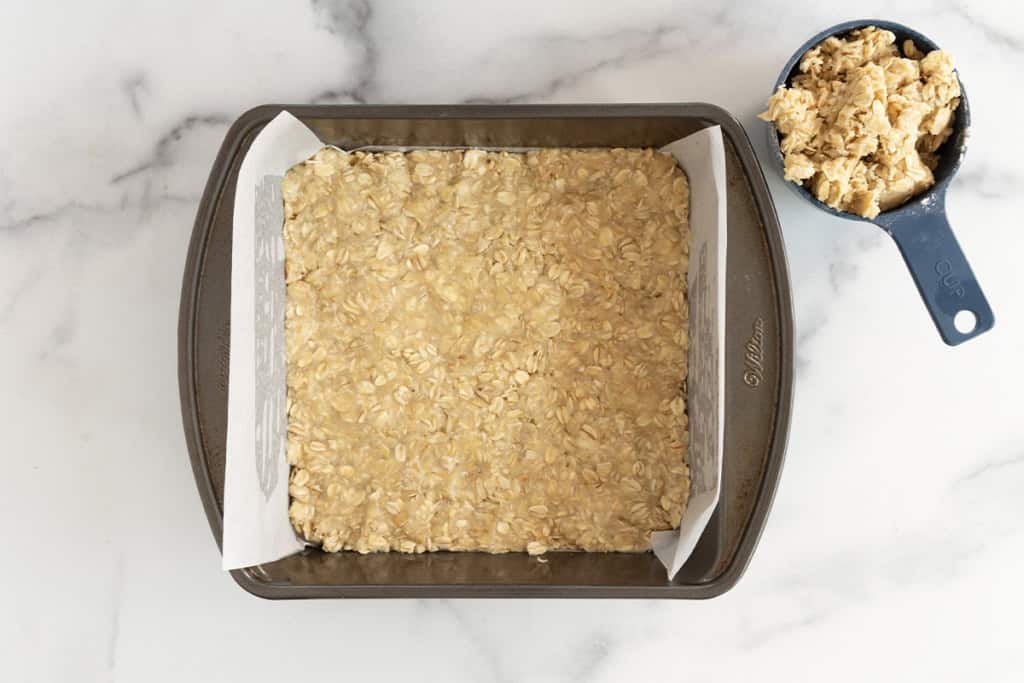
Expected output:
(758, 357)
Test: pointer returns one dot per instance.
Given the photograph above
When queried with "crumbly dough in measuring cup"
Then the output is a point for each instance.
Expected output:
(861, 124)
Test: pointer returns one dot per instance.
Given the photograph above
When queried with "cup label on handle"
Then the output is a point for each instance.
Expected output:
(950, 282)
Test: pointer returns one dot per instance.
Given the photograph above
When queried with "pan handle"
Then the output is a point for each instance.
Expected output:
(940, 270)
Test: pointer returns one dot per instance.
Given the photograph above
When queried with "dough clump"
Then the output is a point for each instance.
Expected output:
(861, 124)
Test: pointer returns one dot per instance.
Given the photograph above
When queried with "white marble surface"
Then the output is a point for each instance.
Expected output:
(896, 545)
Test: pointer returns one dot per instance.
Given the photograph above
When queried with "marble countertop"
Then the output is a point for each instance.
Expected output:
(896, 542)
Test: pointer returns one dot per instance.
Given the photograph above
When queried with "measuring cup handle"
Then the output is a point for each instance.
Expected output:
(941, 272)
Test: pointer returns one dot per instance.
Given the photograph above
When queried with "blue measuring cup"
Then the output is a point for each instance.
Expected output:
(920, 228)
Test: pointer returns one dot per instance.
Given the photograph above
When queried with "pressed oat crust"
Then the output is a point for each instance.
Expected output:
(861, 124)
(486, 350)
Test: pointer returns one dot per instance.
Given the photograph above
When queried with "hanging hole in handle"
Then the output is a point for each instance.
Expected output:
(965, 321)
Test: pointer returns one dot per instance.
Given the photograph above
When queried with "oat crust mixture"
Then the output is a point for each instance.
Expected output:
(486, 350)
(861, 124)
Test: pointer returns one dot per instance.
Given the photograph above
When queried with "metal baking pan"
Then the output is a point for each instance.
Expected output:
(758, 358)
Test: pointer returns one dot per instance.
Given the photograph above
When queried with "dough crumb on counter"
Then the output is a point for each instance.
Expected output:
(861, 124)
